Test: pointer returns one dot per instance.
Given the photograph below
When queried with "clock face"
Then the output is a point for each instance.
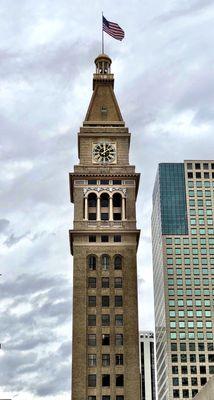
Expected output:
(104, 152)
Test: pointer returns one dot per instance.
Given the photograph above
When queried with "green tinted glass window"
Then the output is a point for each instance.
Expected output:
(173, 199)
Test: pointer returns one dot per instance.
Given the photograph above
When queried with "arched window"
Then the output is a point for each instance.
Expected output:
(105, 262)
(92, 262)
(118, 262)
(92, 206)
(117, 200)
(117, 206)
(104, 204)
(104, 200)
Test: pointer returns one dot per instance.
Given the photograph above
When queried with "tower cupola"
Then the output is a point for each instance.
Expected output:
(103, 70)
(103, 64)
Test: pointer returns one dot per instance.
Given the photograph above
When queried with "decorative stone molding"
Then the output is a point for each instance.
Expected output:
(104, 189)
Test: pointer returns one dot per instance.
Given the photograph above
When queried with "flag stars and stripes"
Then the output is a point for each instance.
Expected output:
(113, 29)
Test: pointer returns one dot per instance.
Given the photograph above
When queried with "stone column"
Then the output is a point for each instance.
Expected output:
(123, 208)
(98, 208)
(110, 208)
(86, 208)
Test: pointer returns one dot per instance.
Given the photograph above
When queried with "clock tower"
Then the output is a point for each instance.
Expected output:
(104, 241)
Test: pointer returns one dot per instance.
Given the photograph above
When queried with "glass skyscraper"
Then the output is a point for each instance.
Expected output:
(183, 265)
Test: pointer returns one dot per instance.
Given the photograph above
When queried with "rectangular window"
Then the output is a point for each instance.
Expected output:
(92, 181)
(184, 381)
(119, 359)
(118, 301)
(105, 318)
(119, 339)
(92, 216)
(118, 282)
(192, 346)
(91, 340)
(192, 357)
(186, 393)
(92, 380)
(117, 182)
(119, 380)
(105, 282)
(184, 369)
(92, 301)
(92, 360)
(105, 301)
(105, 339)
(105, 360)
(105, 380)
(104, 238)
(104, 182)
(92, 282)
(92, 238)
(91, 320)
(117, 238)
(202, 369)
(175, 381)
(119, 320)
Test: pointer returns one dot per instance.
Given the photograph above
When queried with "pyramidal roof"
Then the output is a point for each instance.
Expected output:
(103, 107)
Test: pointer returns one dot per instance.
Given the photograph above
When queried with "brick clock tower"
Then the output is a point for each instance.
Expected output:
(104, 244)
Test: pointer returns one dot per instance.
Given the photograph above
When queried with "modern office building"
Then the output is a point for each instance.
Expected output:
(183, 264)
(104, 243)
(147, 364)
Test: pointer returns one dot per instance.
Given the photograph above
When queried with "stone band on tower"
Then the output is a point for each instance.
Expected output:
(104, 241)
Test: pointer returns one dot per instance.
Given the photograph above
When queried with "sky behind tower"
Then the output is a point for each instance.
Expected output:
(164, 83)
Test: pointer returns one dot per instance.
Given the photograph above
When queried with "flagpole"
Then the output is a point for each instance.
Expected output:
(102, 35)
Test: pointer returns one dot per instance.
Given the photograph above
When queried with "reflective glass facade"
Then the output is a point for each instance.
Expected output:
(173, 199)
(183, 269)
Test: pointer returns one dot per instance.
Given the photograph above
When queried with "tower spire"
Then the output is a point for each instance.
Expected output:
(103, 108)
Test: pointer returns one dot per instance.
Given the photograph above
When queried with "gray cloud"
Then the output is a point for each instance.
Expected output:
(164, 85)
(12, 239)
(186, 9)
(4, 223)
(31, 345)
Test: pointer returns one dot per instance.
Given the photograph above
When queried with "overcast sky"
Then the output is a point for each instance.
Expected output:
(164, 71)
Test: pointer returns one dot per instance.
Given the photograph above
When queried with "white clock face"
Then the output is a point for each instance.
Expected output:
(104, 152)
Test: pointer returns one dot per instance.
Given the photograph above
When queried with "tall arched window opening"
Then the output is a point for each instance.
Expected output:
(118, 262)
(104, 205)
(92, 206)
(117, 207)
(92, 262)
(105, 262)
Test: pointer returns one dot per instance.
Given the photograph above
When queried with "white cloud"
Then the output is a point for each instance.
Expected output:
(164, 84)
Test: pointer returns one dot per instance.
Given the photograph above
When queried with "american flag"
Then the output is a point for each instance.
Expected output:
(113, 29)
